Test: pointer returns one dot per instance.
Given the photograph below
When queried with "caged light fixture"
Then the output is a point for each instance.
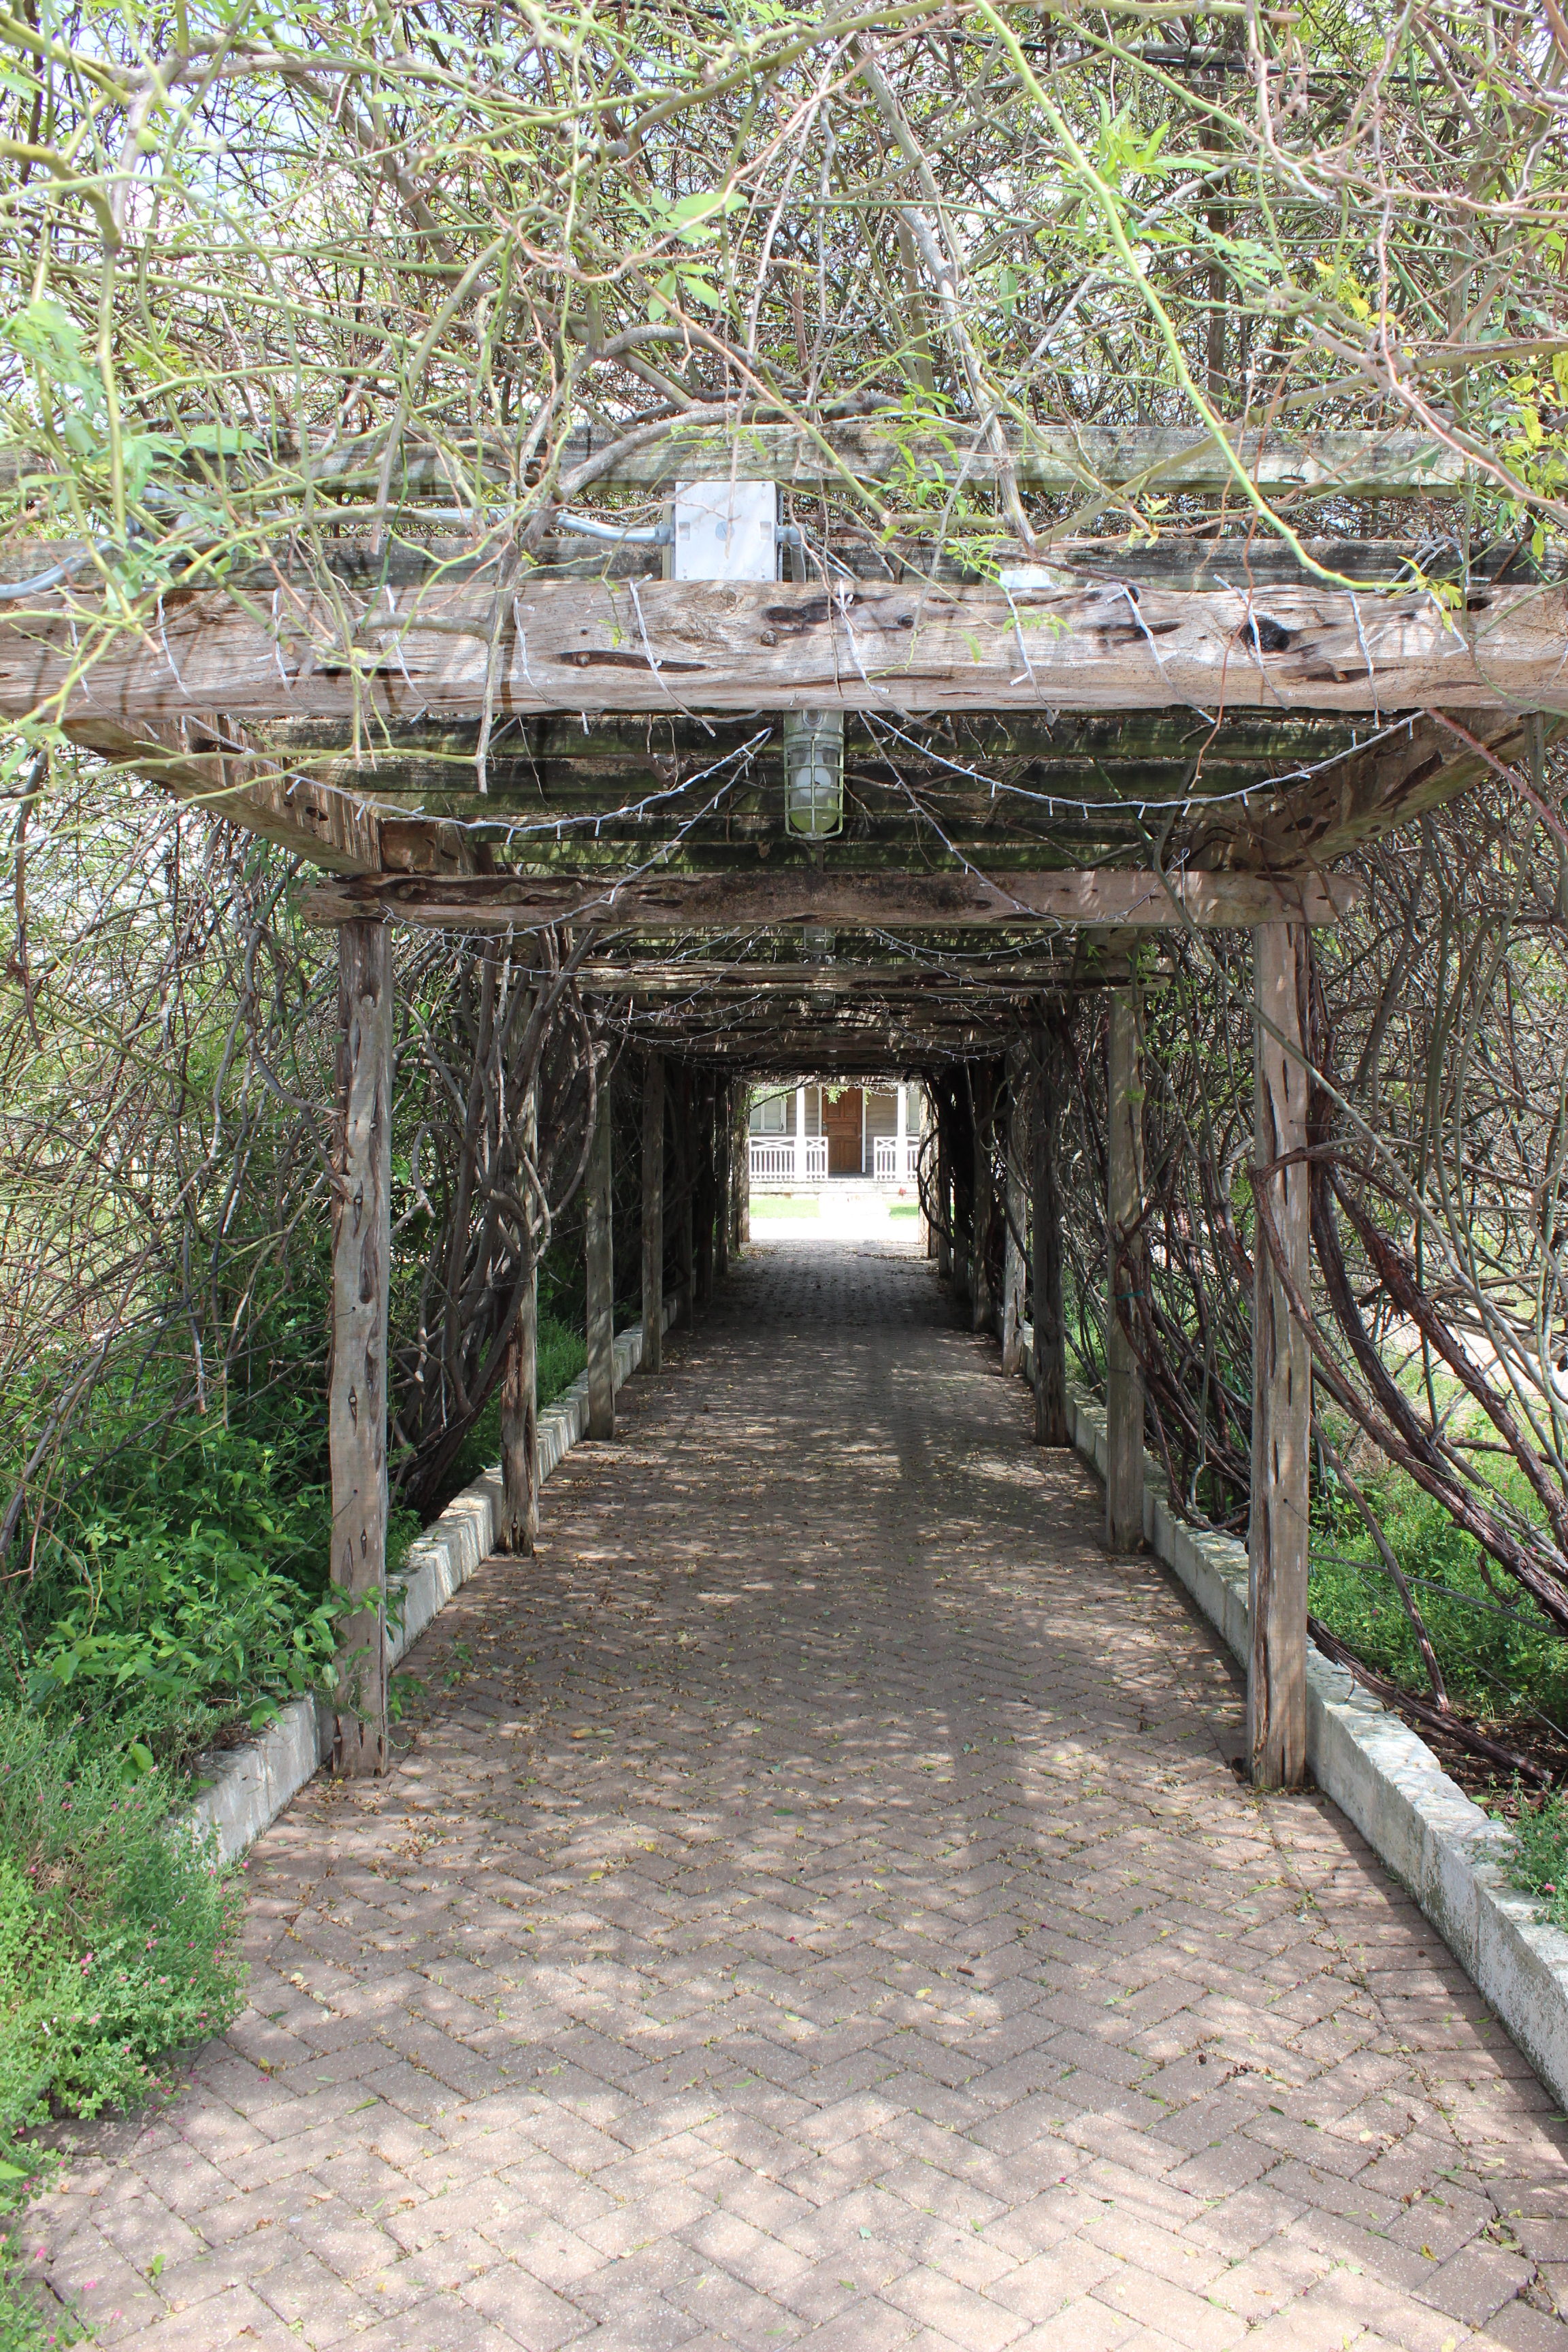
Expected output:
(814, 773)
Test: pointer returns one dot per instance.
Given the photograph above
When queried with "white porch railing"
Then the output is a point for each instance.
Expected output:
(885, 1165)
(780, 1157)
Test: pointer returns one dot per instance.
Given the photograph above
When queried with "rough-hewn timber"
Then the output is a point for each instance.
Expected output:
(357, 1395)
(1114, 896)
(1043, 457)
(671, 646)
(1281, 1368)
(1124, 1207)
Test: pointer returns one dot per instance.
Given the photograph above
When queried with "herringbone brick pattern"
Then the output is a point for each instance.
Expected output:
(816, 1906)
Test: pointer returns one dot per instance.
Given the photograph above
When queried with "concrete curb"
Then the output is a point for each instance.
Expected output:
(1440, 1845)
(251, 1784)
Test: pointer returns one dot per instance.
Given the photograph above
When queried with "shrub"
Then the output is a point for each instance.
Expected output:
(1538, 1862)
(1499, 1655)
(116, 1948)
(188, 1588)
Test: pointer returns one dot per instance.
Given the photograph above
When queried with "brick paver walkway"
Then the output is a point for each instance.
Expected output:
(817, 1907)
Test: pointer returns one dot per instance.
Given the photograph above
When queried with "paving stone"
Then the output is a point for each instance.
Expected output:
(812, 1905)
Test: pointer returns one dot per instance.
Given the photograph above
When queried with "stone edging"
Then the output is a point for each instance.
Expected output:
(251, 1784)
(1438, 1844)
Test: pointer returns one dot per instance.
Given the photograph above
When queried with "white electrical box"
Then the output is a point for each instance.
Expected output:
(725, 531)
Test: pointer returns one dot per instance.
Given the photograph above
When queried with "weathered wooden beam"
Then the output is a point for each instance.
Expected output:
(1115, 897)
(1049, 1320)
(901, 977)
(1415, 766)
(1169, 457)
(652, 1093)
(357, 1402)
(944, 1203)
(1281, 1365)
(599, 1250)
(519, 1530)
(691, 645)
(1124, 1208)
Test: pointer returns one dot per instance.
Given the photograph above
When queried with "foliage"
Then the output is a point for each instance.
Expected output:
(1499, 1655)
(1538, 1859)
(116, 1937)
(263, 274)
(562, 1355)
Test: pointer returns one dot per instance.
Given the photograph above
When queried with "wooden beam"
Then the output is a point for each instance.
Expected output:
(357, 1402)
(519, 1529)
(1116, 896)
(653, 1092)
(895, 976)
(1281, 1368)
(599, 1250)
(1124, 1205)
(1169, 457)
(691, 645)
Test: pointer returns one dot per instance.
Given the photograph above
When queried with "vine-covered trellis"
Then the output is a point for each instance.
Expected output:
(457, 446)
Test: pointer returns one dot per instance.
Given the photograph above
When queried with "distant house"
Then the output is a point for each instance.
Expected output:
(810, 1134)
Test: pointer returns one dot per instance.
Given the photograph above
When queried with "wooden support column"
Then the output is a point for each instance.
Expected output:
(1124, 1201)
(519, 1530)
(356, 1406)
(982, 1306)
(1281, 1367)
(599, 1250)
(1017, 1216)
(1046, 1244)
(686, 1222)
(723, 1177)
(653, 1212)
(943, 1199)
(703, 1196)
(741, 1165)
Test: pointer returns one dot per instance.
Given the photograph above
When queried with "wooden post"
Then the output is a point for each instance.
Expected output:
(703, 1196)
(599, 1250)
(1045, 1245)
(1123, 1380)
(653, 1212)
(519, 1530)
(983, 1306)
(1281, 1368)
(356, 1406)
(723, 1177)
(686, 1223)
(943, 1198)
(1013, 1240)
(741, 1151)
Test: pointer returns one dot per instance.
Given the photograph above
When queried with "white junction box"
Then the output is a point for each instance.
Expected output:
(725, 531)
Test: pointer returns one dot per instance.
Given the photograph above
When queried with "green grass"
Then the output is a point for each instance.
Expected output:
(1499, 1654)
(903, 1209)
(783, 1204)
(1538, 1864)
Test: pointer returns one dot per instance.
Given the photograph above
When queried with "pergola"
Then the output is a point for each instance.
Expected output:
(879, 815)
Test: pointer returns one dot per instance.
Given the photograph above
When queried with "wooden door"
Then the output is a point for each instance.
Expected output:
(841, 1125)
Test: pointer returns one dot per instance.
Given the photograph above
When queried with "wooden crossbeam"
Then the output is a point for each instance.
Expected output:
(882, 981)
(1111, 897)
(1043, 457)
(682, 646)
